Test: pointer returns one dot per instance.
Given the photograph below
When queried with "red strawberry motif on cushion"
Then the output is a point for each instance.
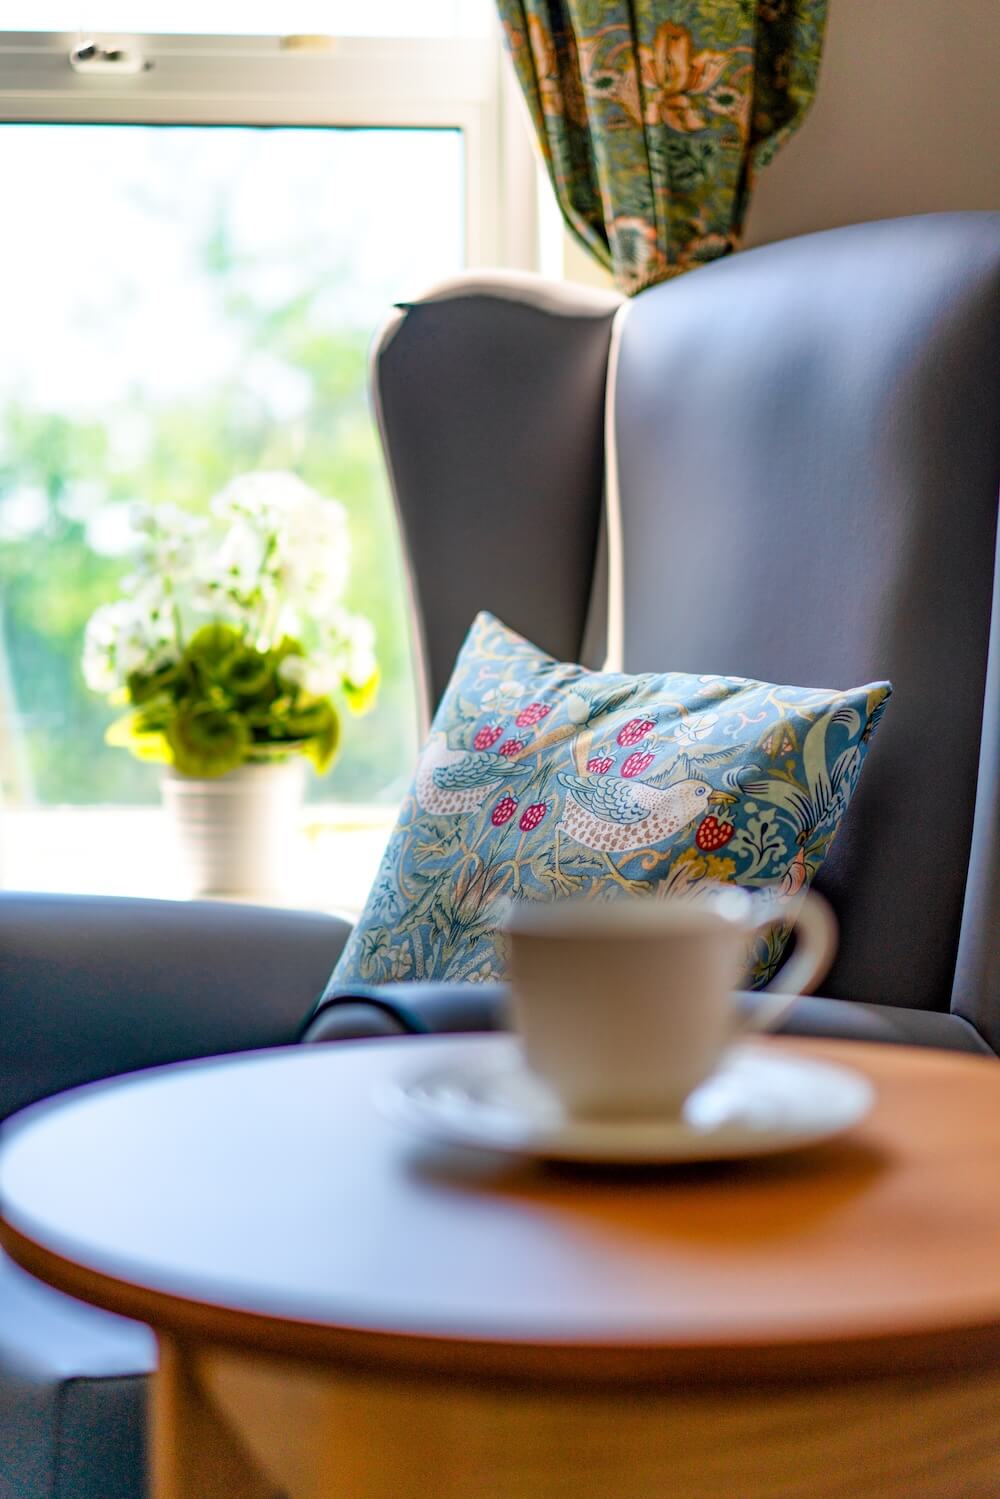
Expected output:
(532, 714)
(532, 816)
(713, 834)
(634, 730)
(503, 811)
(600, 765)
(511, 747)
(636, 764)
(488, 736)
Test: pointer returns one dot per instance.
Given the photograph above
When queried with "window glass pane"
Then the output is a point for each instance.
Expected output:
(254, 17)
(180, 305)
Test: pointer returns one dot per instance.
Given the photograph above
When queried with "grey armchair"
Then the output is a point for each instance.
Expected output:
(90, 988)
(813, 425)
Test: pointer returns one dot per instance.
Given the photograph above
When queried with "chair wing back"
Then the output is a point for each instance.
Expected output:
(808, 462)
(489, 394)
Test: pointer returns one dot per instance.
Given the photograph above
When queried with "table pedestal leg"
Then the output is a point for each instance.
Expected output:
(194, 1451)
(327, 1433)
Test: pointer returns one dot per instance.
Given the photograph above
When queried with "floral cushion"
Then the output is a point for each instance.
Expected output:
(542, 779)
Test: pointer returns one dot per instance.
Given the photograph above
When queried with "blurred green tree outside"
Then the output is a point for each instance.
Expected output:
(67, 481)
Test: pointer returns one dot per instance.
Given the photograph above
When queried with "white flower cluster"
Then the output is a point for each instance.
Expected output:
(285, 547)
(345, 653)
(166, 544)
(273, 560)
(123, 638)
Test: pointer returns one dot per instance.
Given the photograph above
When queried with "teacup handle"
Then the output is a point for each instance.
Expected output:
(815, 945)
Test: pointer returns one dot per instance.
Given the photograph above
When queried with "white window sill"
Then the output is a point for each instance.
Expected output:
(129, 851)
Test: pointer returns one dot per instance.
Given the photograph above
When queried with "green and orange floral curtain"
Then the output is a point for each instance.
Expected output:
(654, 115)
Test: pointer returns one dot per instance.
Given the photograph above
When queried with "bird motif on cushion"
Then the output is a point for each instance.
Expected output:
(613, 815)
(454, 781)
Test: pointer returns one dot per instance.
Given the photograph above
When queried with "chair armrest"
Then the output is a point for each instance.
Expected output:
(412, 1009)
(407, 1009)
(849, 1020)
(92, 986)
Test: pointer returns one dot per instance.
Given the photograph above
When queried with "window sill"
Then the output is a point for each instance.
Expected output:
(129, 851)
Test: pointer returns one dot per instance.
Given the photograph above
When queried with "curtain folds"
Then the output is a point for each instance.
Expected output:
(654, 115)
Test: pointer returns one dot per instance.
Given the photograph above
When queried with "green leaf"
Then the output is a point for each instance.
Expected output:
(248, 674)
(141, 686)
(206, 741)
(322, 747)
(286, 646)
(266, 750)
(360, 699)
(131, 733)
(212, 645)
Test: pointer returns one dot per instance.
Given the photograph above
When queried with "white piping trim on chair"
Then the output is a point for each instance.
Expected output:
(568, 298)
(563, 298)
(421, 676)
(615, 656)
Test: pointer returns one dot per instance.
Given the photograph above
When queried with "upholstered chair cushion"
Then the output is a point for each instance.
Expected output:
(72, 1395)
(542, 779)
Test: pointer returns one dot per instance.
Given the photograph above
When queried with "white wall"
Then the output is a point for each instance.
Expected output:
(906, 119)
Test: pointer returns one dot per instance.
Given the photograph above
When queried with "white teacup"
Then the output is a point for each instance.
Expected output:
(624, 1007)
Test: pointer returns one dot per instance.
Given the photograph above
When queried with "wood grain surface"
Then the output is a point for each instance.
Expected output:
(321, 1434)
(262, 1202)
(260, 1428)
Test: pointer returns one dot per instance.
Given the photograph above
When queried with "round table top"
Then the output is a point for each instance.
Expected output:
(263, 1200)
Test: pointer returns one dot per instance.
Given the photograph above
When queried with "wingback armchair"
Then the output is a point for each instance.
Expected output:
(784, 465)
(787, 467)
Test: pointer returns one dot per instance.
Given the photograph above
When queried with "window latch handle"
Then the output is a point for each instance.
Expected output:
(113, 57)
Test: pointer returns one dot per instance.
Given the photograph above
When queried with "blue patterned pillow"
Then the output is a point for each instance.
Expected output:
(541, 779)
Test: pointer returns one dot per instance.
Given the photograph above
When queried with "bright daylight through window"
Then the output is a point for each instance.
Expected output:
(184, 304)
(196, 258)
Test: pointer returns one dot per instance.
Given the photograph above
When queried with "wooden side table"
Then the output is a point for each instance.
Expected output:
(344, 1310)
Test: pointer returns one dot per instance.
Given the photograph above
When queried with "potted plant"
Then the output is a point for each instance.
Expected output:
(229, 647)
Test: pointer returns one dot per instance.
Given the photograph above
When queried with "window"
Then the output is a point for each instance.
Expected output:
(203, 233)
(199, 254)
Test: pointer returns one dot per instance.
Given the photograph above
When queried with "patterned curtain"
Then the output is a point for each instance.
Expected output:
(654, 115)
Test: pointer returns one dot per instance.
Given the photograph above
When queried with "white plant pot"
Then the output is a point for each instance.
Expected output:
(237, 834)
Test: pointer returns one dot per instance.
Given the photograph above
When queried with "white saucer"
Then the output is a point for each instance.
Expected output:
(757, 1103)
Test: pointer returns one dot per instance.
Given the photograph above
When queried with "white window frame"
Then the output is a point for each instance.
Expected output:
(458, 83)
